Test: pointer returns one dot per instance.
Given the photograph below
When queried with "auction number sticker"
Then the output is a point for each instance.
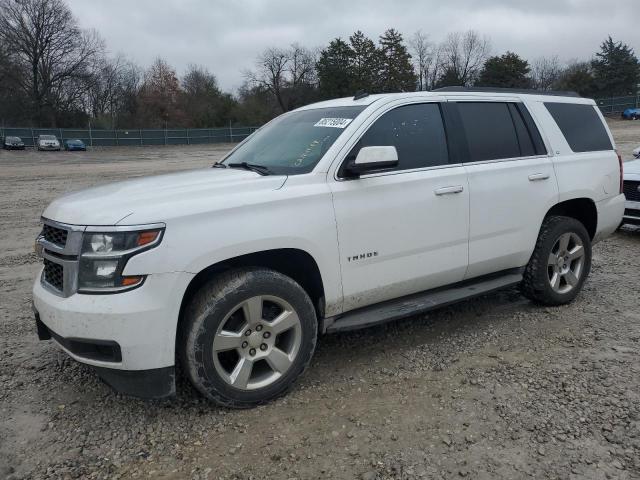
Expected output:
(333, 122)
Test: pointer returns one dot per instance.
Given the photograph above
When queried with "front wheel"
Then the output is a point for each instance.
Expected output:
(248, 335)
(560, 262)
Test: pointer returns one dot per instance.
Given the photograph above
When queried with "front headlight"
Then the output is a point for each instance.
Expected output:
(105, 254)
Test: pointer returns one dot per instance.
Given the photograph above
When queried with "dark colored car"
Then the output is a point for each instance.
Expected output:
(75, 144)
(13, 143)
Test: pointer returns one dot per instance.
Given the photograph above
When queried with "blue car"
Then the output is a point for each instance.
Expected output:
(75, 144)
(631, 114)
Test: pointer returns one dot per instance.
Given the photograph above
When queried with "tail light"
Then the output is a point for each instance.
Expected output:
(621, 174)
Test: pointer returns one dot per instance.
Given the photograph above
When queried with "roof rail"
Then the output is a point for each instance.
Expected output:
(360, 94)
(528, 91)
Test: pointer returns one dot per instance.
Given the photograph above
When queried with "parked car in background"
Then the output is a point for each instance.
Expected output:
(12, 143)
(631, 114)
(631, 189)
(47, 142)
(75, 144)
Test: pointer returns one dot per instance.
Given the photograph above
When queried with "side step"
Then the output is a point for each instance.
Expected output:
(420, 302)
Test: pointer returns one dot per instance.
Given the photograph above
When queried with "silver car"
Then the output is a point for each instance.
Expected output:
(48, 142)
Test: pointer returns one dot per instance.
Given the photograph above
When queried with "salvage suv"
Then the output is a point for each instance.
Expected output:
(336, 216)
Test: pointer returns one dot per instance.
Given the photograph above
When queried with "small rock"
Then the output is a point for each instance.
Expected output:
(369, 476)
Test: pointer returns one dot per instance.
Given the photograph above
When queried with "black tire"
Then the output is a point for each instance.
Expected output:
(210, 307)
(536, 284)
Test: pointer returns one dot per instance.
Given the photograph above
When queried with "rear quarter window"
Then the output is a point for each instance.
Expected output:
(581, 126)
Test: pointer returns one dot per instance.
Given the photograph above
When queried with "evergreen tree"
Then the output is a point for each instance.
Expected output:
(396, 71)
(365, 63)
(335, 72)
(508, 70)
(615, 69)
(577, 77)
(450, 78)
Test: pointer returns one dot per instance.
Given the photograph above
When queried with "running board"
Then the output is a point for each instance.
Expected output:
(419, 302)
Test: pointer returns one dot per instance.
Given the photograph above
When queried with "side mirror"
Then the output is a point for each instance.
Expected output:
(371, 159)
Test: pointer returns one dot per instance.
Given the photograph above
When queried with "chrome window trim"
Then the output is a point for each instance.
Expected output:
(510, 159)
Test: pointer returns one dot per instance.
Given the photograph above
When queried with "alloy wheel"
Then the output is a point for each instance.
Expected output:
(566, 263)
(257, 342)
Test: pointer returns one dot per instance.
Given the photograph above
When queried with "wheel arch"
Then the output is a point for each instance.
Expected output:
(582, 209)
(292, 262)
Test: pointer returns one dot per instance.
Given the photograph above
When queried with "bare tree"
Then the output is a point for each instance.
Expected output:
(114, 82)
(286, 73)
(465, 54)
(271, 73)
(545, 72)
(422, 52)
(44, 38)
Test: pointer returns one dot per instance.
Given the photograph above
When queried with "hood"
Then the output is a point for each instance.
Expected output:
(632, 167)
(158, 198)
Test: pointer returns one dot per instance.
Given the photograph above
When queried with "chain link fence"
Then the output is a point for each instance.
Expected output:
(130, 137)
(617, 105)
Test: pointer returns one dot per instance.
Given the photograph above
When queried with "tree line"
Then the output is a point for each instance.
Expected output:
(53, 73)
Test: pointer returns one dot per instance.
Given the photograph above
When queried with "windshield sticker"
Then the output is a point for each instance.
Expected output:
(333, 122)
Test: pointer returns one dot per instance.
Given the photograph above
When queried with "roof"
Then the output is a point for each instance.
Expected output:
(457, 92)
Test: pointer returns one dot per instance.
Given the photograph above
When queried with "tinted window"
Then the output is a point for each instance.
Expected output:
(581, 126)
(491, 134)
(416, 131)
(295, 142)
(524, 139)
(534, 133)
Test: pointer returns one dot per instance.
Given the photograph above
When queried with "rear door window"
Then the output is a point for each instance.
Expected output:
(581, 126)
(491, 133)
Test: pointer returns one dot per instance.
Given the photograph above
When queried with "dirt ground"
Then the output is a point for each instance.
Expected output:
(494, 388)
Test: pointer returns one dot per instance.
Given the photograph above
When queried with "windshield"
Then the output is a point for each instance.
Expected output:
(295, 142)
(47, 137)
(13, 139)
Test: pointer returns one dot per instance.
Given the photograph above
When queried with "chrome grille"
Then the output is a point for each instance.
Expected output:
(54, 235)
(631, 191)
(53, 274)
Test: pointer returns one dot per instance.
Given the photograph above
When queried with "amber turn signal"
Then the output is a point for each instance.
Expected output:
(145, 238)
(131, 281)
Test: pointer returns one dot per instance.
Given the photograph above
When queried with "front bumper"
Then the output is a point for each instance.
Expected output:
(49, 147)
(631, 213)
(121, 333)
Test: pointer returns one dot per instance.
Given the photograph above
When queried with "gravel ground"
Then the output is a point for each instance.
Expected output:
(494, 388)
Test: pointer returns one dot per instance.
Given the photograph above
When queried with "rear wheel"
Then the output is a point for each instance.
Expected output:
(249, 334)
(560, 262)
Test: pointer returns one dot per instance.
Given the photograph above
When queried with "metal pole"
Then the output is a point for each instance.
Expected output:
(90, 135)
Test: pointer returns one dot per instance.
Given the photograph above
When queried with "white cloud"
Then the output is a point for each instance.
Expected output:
(226, 36)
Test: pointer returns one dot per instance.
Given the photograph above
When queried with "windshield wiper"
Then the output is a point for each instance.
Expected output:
(261, 169)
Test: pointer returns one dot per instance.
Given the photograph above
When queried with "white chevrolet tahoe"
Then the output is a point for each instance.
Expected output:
(336, 216)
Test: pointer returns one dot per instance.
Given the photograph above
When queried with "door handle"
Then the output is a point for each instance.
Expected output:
(538, 176)
(448, 190)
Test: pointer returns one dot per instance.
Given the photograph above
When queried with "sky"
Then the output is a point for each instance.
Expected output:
(227, 36)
